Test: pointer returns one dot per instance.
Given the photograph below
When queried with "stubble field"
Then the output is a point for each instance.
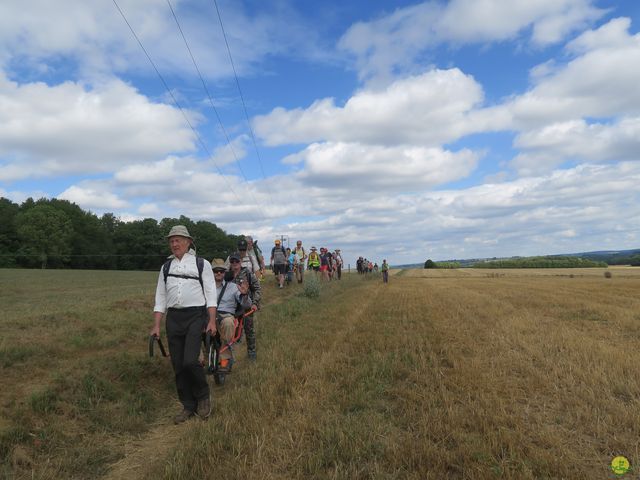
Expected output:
(439, 374)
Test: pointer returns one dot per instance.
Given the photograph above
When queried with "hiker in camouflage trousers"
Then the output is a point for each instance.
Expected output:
(239, 275)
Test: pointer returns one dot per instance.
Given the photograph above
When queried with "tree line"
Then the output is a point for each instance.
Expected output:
(542, 262)
(534, 262)
(52, 233)
(431, 264)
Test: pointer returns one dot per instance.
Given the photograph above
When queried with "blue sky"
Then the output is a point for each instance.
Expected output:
(399, 130)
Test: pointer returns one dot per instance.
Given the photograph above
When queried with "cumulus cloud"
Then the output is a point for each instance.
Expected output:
(70, 128)
(393, 43)
(232, 151)
(160, 173)
(589, 85)
(363, 168)
(425, 109)
(577, 140)
(95, 36)
(91, 198)
(527, 216)
(586, 110)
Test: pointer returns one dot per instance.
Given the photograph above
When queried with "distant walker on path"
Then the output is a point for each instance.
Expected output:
(385, 271)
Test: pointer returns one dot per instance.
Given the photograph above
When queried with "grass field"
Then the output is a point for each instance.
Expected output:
(439, 374)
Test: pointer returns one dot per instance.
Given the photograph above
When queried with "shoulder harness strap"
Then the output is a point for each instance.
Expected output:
(199, 263)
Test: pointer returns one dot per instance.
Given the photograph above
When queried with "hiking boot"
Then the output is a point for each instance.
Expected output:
(183, 416)
(204, 408)
(252, 356)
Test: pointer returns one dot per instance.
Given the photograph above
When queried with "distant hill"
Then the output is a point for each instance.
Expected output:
(610, 257)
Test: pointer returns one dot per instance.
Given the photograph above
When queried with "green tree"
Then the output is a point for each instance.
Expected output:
(91, 244)
(8, 234)
(140, 245)
(45, 236)
(429, 264)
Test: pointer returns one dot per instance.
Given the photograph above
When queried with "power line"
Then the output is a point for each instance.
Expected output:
(204, 85)
(177, 104)
(246, 114)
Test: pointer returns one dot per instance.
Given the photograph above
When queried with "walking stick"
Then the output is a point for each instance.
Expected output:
(152, 340)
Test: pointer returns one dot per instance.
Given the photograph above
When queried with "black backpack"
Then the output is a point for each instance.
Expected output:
(199, 263)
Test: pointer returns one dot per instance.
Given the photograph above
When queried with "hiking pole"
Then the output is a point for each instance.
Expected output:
(152, 340)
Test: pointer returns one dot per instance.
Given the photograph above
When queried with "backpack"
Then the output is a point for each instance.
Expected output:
(279, 255)
(258, 252)
(199, 263)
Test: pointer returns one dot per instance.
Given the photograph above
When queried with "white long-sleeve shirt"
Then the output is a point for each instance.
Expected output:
(185, 292)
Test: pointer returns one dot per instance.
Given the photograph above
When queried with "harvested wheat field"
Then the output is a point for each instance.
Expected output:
(439, 374)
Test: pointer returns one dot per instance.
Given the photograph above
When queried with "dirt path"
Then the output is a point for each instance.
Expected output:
(143, 454)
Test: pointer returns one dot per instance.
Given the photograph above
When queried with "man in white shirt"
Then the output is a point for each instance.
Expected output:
(186, 292)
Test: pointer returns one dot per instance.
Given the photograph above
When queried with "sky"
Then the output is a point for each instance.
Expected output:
(392, 130)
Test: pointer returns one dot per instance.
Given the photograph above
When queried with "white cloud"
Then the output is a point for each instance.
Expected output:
(186, 186)
(150, 210)
(577, 140)
(96, 38)
(160, 173)
(231, 152)
(363, 168)
(393, 43)
(589, 85)
(613, 34)
(426, 109)
(69, 128)
(472, 21)
(91, 198)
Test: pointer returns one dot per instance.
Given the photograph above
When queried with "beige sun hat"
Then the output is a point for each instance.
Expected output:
(180, 231)
(217, 263)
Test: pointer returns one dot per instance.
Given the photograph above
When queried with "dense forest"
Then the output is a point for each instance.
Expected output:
(50, 233)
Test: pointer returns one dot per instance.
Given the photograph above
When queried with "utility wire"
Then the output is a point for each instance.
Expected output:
(177, 104)
(204, 85)
(246, 114)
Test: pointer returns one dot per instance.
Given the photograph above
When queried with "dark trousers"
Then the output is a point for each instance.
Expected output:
(184, 335)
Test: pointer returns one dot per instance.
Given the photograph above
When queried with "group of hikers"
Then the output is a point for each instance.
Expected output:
(364, 266)
(197, 298)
